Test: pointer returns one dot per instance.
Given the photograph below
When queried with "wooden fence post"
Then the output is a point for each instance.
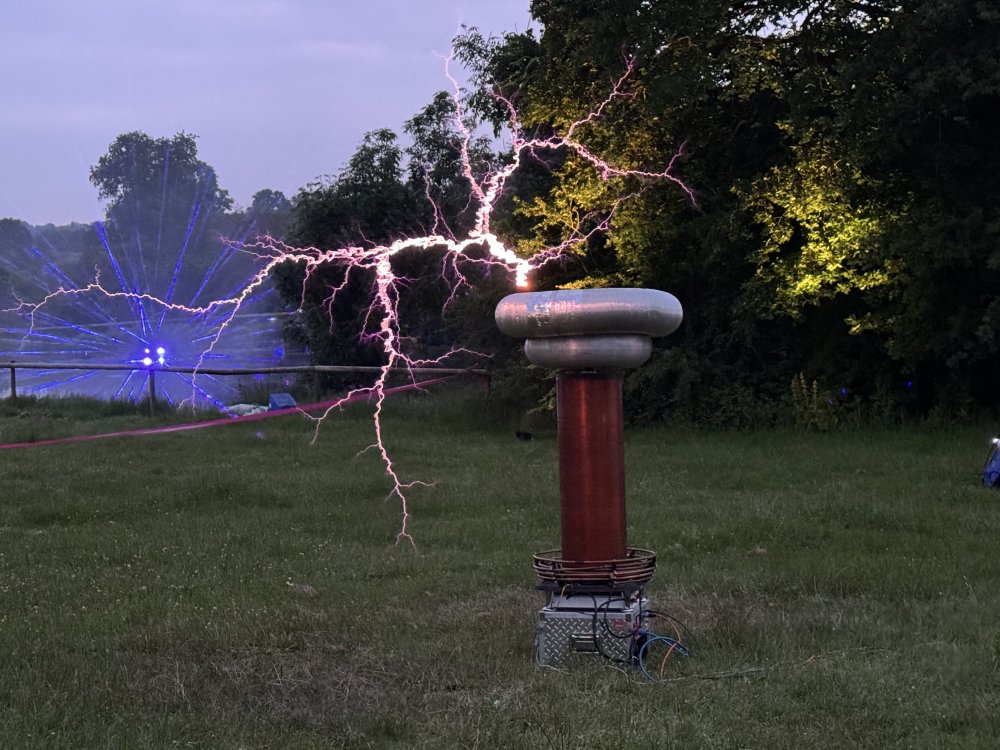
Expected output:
(13, 382)
(152, 392)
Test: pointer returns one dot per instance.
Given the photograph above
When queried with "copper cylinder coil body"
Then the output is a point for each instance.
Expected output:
(591, 465)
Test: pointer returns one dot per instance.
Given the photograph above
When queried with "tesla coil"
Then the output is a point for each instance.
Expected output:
(594, 582)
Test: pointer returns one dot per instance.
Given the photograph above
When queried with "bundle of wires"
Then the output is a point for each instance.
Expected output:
(652, 643)
(646, 645)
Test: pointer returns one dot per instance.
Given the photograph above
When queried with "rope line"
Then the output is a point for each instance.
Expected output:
(363, 395)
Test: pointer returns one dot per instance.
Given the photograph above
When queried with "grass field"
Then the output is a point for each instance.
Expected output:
(239, 587)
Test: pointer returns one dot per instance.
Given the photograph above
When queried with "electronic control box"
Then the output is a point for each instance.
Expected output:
(576, 626)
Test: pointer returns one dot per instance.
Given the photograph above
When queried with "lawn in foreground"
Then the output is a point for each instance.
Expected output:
(240, 588)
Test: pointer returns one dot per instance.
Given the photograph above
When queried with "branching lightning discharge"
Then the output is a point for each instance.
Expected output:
(218, 316)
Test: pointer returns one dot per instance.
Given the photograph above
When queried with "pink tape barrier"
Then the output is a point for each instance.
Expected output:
(365, 394)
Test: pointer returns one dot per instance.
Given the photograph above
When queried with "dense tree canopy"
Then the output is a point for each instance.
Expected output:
(384, 193)
(155, 171)
(846, 223)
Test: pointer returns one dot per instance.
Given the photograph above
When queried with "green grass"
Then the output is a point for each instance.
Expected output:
(30, 419)
(240, 587)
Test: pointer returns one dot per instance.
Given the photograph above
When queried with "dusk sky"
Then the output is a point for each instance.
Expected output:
(279, 92)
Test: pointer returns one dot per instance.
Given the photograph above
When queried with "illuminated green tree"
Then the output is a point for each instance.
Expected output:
(842, 153)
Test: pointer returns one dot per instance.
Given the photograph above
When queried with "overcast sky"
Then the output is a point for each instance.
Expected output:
(278, 92)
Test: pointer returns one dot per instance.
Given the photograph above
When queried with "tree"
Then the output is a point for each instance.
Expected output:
(15, 238)
(846, 216)
(886, 209)
(269, 213)
(377, 199)
(366, 204)
(140, 169)
(676, 96)
(842, 156)
(164, 211)
(436, 169)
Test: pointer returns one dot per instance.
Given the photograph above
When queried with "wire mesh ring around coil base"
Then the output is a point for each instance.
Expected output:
(637, 567)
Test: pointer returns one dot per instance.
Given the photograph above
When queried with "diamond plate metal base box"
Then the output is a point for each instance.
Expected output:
(581, 626)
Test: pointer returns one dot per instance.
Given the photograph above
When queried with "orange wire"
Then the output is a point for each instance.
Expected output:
(677, 631)
(674, 645)
(666, 656)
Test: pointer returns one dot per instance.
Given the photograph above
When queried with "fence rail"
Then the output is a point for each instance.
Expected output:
(315, 369)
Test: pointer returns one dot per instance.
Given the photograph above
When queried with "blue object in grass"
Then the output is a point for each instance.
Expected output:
(280, 401)
(991, 471)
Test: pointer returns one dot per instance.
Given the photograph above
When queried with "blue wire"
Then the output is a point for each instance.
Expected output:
(671, 643)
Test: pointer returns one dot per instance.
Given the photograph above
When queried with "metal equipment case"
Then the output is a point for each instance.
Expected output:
(598, 625)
